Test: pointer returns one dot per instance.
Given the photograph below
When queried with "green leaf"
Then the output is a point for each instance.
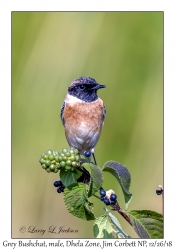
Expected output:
(102, 227)
(147, 224)
(119, 232)
(75, 197)
(96, 179)
(122, 175)
(69, 177)
(113, 218)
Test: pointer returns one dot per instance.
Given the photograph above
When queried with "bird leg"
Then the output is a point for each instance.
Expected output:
(94, 158)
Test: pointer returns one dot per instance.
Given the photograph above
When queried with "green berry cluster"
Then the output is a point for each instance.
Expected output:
(52, 161)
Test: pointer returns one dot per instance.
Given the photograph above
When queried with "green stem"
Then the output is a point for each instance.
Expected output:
(96, 196)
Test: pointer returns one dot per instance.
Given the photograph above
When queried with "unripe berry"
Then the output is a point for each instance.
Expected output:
(44, 166)
(55, 152)
(75, 151)
(49, 152)
(64, 150)
(57, 165)
(67, 167)
(77, 157)
(62, 164)
(57, 158)
(51, 157)
(77, 164)
(60, 158)
(41, 160)
(52, 167)
(64, 158)
(72, 158)
(48, 170)
(52, 161)
(68, 154)
(45, 156)
(69, 162)
(71, 151)
(47, 162)
(74, 163)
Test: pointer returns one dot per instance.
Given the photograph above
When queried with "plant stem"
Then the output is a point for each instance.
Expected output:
(96, 196)
(117, 208)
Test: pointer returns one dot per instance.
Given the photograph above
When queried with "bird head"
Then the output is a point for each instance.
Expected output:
(85, 89)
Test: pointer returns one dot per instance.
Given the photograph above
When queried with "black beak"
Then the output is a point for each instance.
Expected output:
(99, 86)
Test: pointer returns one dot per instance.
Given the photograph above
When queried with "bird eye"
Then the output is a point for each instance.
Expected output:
(81, 87)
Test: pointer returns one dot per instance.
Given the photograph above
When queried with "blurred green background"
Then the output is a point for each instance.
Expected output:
(124, 51)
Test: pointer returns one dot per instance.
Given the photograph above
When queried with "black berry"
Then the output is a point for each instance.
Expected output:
(102, 192)
(159, 192)
(59, 190)
(106, 201)
(87, 153)
(62, 189)
(113, 197)
(113, 202)
(57, 183)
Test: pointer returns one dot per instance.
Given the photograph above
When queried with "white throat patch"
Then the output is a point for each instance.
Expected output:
(72, 99)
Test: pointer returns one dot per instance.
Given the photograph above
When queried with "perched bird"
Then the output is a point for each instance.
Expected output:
(83, 114)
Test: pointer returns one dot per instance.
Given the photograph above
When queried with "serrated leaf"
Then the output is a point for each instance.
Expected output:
(102, 228)
(147, 224)
(123, 176)
(96, 179)
(69, 177)
(113, 219)
(119, 231)
(75, 197)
